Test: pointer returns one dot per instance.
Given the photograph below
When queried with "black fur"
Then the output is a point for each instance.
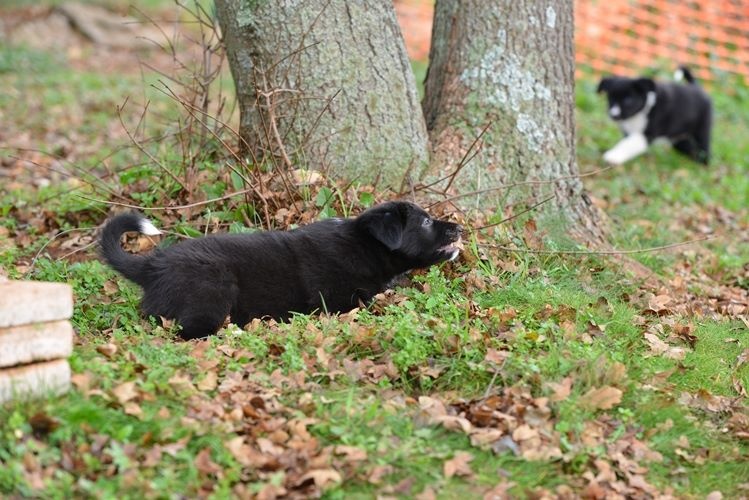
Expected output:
(331, 265)
(682, 113)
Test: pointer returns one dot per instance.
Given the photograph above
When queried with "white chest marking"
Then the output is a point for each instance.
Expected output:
(637, 123)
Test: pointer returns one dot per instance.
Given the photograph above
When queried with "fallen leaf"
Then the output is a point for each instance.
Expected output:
(303, 177)
(42, 424)
(209, 382)
(657, 304)
(683, 441)
(125, 392)
(458, 465)
(352, 453)
(244, 453)
(531, 235)
(403, 487)
(524, 433)
(181, 383)
(499, 491)
(108, 350)
(431, 371)
(134, 409)
(427, 494)
(742, 358)
(204, 463)
(174, 448)
(378, 472)
(269, 491)
(322, 477)
(454, 423)
(482, 436)
(82, 381)
(616, 373)
(432, 405)
(603, 398)
(659, 347)
(110, 287)
(227, 350)
(152, 457)
(496, 356)
(686, 333)
(561, 390)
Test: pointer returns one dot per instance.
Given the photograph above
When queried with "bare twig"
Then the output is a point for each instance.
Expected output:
(507, 219)
(596, 252)
(178, 207)
(81, 249)
(36, 257)
(144, 150)
(521, 183)
(464, 161)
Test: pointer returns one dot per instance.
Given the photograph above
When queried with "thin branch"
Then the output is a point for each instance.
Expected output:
(178, 207)
(306, 137)
(463, 161)
(596, 252)
(516, 184)
(36, 257)
(507, 219)
(81, 249)
(142, 149)
(453, 174)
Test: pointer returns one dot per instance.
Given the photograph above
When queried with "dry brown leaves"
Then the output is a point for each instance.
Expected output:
(272, 440)
(511, 421)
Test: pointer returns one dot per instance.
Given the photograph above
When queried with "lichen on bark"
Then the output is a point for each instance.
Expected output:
(508, 63)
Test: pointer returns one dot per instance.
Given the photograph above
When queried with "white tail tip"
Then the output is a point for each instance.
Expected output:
(147, 228)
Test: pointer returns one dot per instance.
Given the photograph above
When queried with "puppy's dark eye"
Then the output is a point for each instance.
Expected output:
(427, 222)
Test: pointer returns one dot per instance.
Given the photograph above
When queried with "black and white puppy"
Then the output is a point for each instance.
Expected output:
(332, 265)
(646, 110)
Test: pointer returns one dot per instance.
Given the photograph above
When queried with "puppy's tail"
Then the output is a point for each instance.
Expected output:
(133, 267)
(683, 73)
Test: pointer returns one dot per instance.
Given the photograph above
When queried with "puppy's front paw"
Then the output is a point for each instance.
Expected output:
(613, 157)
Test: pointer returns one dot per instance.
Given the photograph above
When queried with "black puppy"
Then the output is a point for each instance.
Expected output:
(330, 265)
(646, 110)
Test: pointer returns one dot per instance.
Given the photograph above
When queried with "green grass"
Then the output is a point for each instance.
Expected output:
(427, 328)
(551, 318)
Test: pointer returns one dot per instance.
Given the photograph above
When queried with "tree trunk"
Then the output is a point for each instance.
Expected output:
(334, 78)
(509, 63)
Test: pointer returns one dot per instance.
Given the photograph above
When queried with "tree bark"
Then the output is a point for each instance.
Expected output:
(335, 79)
(508, 63)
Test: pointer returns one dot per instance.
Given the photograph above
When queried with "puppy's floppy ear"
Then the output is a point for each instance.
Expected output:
(385, 226)
(604, 85)
(645, 85)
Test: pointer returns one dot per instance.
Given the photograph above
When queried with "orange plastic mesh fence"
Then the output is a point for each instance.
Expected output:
(625, 36)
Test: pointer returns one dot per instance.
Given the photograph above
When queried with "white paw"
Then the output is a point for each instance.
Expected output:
(612, 157)
(628, 148)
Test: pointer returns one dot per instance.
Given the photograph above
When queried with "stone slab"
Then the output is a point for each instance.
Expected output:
(26, 302)
(20, 345)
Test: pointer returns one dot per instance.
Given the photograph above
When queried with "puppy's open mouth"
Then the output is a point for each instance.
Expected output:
(454, 248)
